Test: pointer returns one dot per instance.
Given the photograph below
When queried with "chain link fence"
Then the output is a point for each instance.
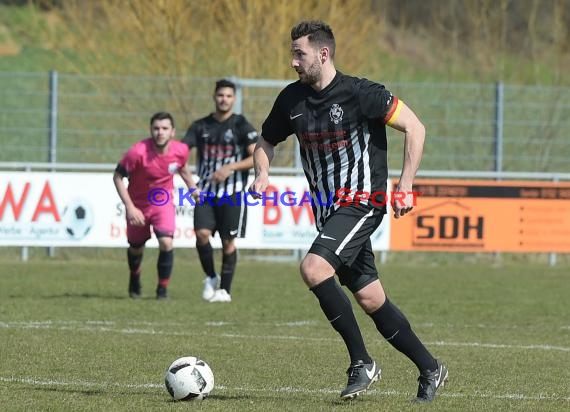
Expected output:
(54, 117)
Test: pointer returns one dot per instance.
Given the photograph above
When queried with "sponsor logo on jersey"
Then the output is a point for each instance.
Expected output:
(172, 167)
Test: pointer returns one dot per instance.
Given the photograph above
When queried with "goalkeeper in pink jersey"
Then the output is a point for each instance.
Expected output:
(149, 165)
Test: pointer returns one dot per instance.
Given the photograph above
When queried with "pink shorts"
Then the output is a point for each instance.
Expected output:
(161, 218)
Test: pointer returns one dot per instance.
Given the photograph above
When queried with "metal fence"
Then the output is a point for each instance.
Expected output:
(63, 118)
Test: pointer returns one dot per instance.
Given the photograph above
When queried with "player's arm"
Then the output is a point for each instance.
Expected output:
(190, 138)
(225, 171)
(262, 157)
(247, 163)
(134, 215)
(406, 121)
(186, 175)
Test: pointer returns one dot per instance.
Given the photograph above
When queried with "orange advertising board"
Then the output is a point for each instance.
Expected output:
(486, 216)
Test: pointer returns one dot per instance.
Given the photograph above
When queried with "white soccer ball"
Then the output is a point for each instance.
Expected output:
(77, 218)
(189, 378)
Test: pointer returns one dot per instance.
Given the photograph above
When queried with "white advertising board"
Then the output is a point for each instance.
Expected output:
(83, 209)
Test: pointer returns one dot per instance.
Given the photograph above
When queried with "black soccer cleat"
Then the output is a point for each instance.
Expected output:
(360, 376)
(135, 287)
(430, 381)
(161, 293)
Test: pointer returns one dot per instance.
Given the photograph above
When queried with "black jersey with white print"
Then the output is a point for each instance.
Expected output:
(219, 144)
(342, 137)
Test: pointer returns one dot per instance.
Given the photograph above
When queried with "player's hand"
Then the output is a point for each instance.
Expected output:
(403, 201)
(196, 194)
(221, 174)
(135, 217)
(258, 186)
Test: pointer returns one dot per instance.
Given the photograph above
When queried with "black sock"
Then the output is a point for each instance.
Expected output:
(395, 328)
(338, 310)
(164, 267)
(206, 254)
(228, 269)
(134, 263)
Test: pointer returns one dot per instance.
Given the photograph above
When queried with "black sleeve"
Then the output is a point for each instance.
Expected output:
(191, 134)
(375, 101)
(121, 170)
(277, 127)
(246, 132)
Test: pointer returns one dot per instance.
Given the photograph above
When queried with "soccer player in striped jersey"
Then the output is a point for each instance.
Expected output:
(225, 143)
(340, 123)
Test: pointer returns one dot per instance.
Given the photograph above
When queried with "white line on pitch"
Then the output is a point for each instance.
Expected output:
(109, 327)
(291, 324)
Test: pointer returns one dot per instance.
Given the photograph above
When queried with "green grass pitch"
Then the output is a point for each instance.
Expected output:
(71, 339)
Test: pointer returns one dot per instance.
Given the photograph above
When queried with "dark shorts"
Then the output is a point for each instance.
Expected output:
(345, 244)
(226, 215)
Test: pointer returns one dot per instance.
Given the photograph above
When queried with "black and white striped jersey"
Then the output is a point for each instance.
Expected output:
(219, 144)
(342, 137)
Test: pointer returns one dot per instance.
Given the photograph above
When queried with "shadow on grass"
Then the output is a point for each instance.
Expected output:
(71, 295)
(216, 397)
(88, 392)
(86, 295)
(229, 397)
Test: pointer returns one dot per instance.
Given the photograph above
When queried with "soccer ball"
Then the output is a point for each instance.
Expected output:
(77, 218)
(189, 378)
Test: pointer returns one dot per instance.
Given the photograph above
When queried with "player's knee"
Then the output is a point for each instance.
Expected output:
(314, 270)
(228, 249)
(136, 249)
(203, 236)
(369, 304)
(306, 267)
(371, 297)
(165, 244)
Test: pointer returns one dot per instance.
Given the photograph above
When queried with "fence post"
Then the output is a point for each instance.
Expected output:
(499, 106)
(52, 126)
(52, 129)
(499, 111)
(25, 252)
(238, 104)
(552, 255)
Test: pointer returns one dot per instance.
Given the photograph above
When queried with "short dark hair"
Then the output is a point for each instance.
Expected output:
(224, 83)
(318, 31)
(162, 116)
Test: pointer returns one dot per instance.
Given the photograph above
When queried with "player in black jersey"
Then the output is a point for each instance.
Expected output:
(340, 122)
(224, 143)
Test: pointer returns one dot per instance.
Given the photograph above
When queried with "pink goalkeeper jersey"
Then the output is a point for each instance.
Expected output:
(149, 170)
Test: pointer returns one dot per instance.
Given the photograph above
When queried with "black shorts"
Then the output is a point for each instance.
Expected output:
(345, 243)
(226, 215)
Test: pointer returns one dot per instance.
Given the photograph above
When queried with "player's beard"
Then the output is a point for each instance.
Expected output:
(160, 146)
(224, 108)
(312, 75)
